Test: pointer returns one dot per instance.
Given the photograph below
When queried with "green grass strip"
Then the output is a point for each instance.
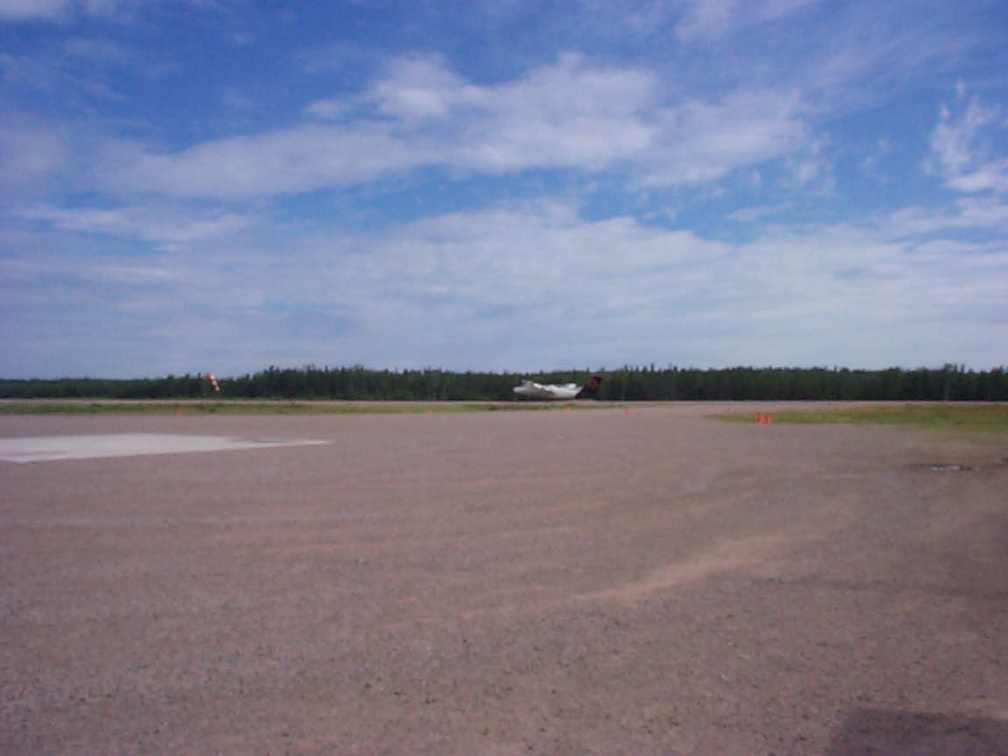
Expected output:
(278, 407)
(938, 416)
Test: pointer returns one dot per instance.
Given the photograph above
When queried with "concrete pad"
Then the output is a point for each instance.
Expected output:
(52, 448)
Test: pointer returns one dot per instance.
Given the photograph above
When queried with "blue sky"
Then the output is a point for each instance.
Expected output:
(225, 185)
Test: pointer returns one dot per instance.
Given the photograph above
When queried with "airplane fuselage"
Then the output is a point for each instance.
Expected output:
(547, 391)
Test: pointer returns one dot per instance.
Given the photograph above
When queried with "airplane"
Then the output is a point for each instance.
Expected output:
(552, 392)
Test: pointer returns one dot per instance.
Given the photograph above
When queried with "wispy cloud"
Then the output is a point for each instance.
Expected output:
(78, 70)
(164, 226)
(421, 114)
(962, 146)
(294, 160)
(706, 19)
(704, 141)
(615, 287)
(19, 10)
(68, 10)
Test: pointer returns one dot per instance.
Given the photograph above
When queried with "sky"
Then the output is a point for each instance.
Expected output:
(502, 185)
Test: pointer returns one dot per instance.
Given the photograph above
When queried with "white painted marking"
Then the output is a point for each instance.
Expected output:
(50, 448)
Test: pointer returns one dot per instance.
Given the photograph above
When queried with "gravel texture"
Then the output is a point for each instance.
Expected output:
(638, 581)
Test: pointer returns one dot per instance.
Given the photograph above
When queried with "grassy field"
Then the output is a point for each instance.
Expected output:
(938, 416)
(168, 407)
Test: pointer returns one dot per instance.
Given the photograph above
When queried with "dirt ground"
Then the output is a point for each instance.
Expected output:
(646, 581)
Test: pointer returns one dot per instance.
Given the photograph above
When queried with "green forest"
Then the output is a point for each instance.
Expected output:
(358, 383)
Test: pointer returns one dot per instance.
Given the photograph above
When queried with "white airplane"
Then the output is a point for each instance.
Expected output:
(550, 391)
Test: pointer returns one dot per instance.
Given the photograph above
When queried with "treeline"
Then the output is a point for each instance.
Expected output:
(948, 383)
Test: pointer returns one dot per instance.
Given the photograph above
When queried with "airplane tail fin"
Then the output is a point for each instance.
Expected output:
(591, 388)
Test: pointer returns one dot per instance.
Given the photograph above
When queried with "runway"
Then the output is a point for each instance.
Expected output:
(602, 581)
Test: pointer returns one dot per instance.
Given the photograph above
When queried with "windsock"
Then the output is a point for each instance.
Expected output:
(212, 381)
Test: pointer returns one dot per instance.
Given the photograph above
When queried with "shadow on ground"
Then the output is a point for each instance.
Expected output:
(877, 731)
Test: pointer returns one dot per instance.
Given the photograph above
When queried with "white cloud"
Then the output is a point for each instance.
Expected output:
(605, 284)
(703, 20)
(421, 89)
(65, 10)
(20, 10)
(992, 175)
(567, 115)
(328, 109)
(295, 160)
(706, 141)
(521, 286)
(570, 115)
(165, 226)
(952, 139)
(759, 213)
(963, 147)
(475, 289)
(983, 212)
